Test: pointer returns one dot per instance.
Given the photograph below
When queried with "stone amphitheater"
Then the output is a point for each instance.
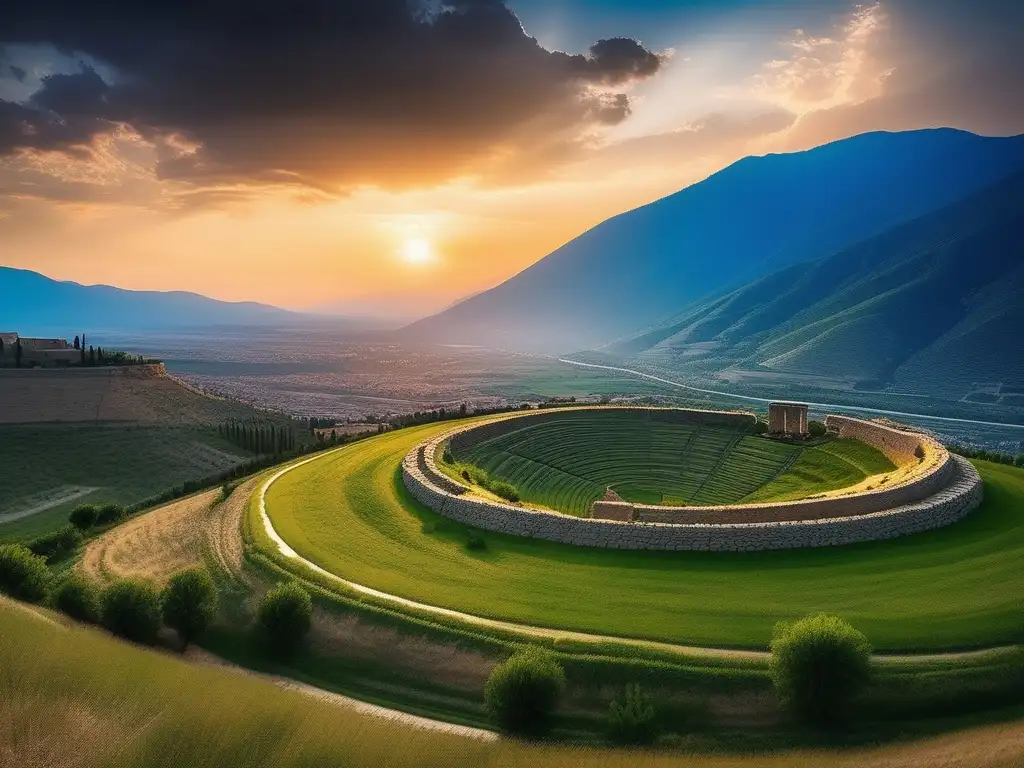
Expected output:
(931, 488)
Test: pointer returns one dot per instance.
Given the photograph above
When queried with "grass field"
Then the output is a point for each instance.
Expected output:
(111, 462)
(827, 467)
(958, 586)
(75, 697)
(658, 457)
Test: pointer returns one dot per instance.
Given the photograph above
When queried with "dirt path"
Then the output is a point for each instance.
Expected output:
(199, 656)
(527, 630)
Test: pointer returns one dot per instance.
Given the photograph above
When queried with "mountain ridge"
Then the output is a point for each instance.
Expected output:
(637, 268)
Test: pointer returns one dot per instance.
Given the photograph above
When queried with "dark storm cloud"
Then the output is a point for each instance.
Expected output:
(321, 92)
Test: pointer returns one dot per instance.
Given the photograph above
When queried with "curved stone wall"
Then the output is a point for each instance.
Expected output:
(940, 489)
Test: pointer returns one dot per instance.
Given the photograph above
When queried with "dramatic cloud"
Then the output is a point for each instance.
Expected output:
(920, 63)
(328, 94)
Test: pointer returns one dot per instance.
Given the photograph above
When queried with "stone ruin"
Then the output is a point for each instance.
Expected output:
(787, 419)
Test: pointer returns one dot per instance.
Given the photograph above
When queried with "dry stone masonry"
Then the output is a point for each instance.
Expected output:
(933, 488)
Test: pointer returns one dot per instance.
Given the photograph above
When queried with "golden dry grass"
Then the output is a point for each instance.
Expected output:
(154, 545)
(78, 698)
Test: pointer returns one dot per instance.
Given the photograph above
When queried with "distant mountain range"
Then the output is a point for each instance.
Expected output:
(33, 303)
(935, 305)
(642, 268)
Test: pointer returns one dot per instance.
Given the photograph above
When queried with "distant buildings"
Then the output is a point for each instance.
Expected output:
(27, 352)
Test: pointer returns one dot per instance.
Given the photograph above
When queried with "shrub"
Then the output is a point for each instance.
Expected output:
(56, 545)
(632, 719)
(285, 616)
(816, 428)
(190, 604)
(818, 664)
(23, 575)
(1019, 460)
(522, 692)
(476, 541)
(83, 517)
(465, 475)
(504, 490)
(131, 608)
(429, 526)
(78, 598)
(109, 513)
(760, 427)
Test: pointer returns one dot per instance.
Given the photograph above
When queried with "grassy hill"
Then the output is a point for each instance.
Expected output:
(659, 457)
(72, 696)
(933, 306)
(69, 437)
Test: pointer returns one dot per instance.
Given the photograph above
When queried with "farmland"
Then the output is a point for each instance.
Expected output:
(659, 457)
(117, 463)
(99, 435)
(957, 586)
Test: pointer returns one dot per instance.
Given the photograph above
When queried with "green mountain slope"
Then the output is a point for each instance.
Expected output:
(933, 306)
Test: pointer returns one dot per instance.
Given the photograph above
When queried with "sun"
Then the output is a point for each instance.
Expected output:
(417, 250)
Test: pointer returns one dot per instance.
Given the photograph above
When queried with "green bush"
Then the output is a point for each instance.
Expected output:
(54, 546)
(109, 513)
(760, 427)
(84, 516)
(818, 665)
(632, 719)
(476, 542)
(190, 604)
(504, 490)
(78, 598)
(816, 428)
(23, 574)
(131, 609)
(522, 692)
(285, 616)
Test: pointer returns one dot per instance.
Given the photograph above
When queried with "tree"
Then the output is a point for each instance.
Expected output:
(92, 355)
(818, 665)
(632, 719)
(23, 575)
(1, 345)
(816, 428)
(131, 608)
(17, 352)
(77, 343)
(285, 615)
(522, 692)
(78, 598)
(84, 516)
(190, 604)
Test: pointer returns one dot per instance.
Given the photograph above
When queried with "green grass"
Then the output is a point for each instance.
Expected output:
(958, 586)
(74, 696)
(826, 467)
(566, 462)
(126, 464)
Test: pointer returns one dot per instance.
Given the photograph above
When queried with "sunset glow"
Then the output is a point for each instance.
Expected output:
(288, 193)
(417, 251)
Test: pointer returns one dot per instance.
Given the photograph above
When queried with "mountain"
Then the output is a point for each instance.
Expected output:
(33, 301)
(752, 218)
(935, 306)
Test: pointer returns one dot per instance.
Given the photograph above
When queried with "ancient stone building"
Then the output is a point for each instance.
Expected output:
(788, 419)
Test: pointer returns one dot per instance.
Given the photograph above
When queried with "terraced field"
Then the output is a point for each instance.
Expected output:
(654, 457)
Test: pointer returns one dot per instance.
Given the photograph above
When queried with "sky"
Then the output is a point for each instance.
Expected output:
(392, 157)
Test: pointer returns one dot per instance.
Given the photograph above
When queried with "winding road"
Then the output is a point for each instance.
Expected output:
(749, 398)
